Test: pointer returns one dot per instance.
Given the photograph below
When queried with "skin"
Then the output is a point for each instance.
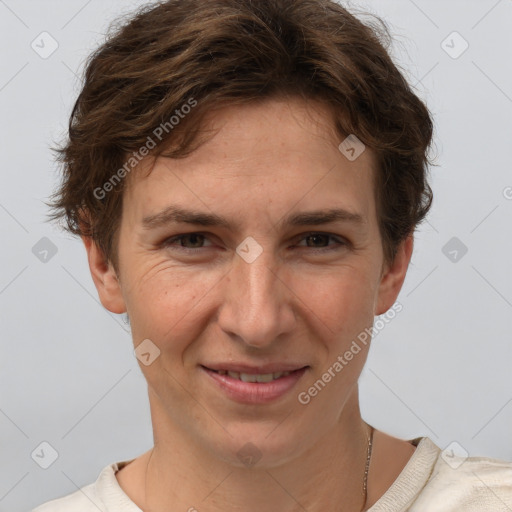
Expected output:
(293, 303)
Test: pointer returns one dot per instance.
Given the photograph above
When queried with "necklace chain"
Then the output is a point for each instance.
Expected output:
(367, 467)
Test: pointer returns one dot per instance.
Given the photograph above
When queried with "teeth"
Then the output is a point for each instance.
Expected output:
(267, 377)
(246, 377)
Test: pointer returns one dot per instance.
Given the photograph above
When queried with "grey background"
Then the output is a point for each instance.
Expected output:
(440, 369)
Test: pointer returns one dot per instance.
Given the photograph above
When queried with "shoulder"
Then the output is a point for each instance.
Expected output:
(104, 495)
(83, 500)
(472, 484)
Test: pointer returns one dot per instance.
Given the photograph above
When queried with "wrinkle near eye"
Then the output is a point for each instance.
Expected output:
(153, 271)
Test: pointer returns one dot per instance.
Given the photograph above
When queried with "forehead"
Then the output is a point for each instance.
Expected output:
(275, 152)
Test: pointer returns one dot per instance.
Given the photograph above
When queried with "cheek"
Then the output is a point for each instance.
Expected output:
(341, 300)
(164, 302)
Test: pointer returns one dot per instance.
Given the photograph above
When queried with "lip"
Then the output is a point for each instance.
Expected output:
(255, 392)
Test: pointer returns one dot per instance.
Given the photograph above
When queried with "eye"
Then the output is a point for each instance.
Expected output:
(180, 241)
(320, 241)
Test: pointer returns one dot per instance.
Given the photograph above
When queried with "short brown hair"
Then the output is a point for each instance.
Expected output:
(220, 52)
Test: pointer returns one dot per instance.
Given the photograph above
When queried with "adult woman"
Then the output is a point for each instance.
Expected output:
(256, 126)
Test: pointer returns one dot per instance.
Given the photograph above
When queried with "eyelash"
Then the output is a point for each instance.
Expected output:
(339, 241)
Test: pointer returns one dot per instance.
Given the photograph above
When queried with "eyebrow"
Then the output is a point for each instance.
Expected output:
(175, 214)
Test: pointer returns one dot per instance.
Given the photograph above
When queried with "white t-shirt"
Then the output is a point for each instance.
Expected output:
(426, 484)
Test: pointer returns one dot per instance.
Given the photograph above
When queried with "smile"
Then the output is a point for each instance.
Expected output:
(246, 377)
(254, 388)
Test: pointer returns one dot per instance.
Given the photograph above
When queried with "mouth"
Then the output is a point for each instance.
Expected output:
(251, 385)
(248, 377)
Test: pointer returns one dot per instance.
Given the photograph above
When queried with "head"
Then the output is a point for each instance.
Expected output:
(235, 110)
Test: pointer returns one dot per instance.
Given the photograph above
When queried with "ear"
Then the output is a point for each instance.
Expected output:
(104, 277)
(393, 276)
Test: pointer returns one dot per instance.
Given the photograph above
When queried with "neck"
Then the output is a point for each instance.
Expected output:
(180, 474)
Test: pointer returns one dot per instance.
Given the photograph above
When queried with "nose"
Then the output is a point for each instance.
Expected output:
(257, 305)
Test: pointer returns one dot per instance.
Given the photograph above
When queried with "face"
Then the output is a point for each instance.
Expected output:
(258, 254)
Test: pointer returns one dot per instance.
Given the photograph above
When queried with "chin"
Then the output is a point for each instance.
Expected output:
(259, 446)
